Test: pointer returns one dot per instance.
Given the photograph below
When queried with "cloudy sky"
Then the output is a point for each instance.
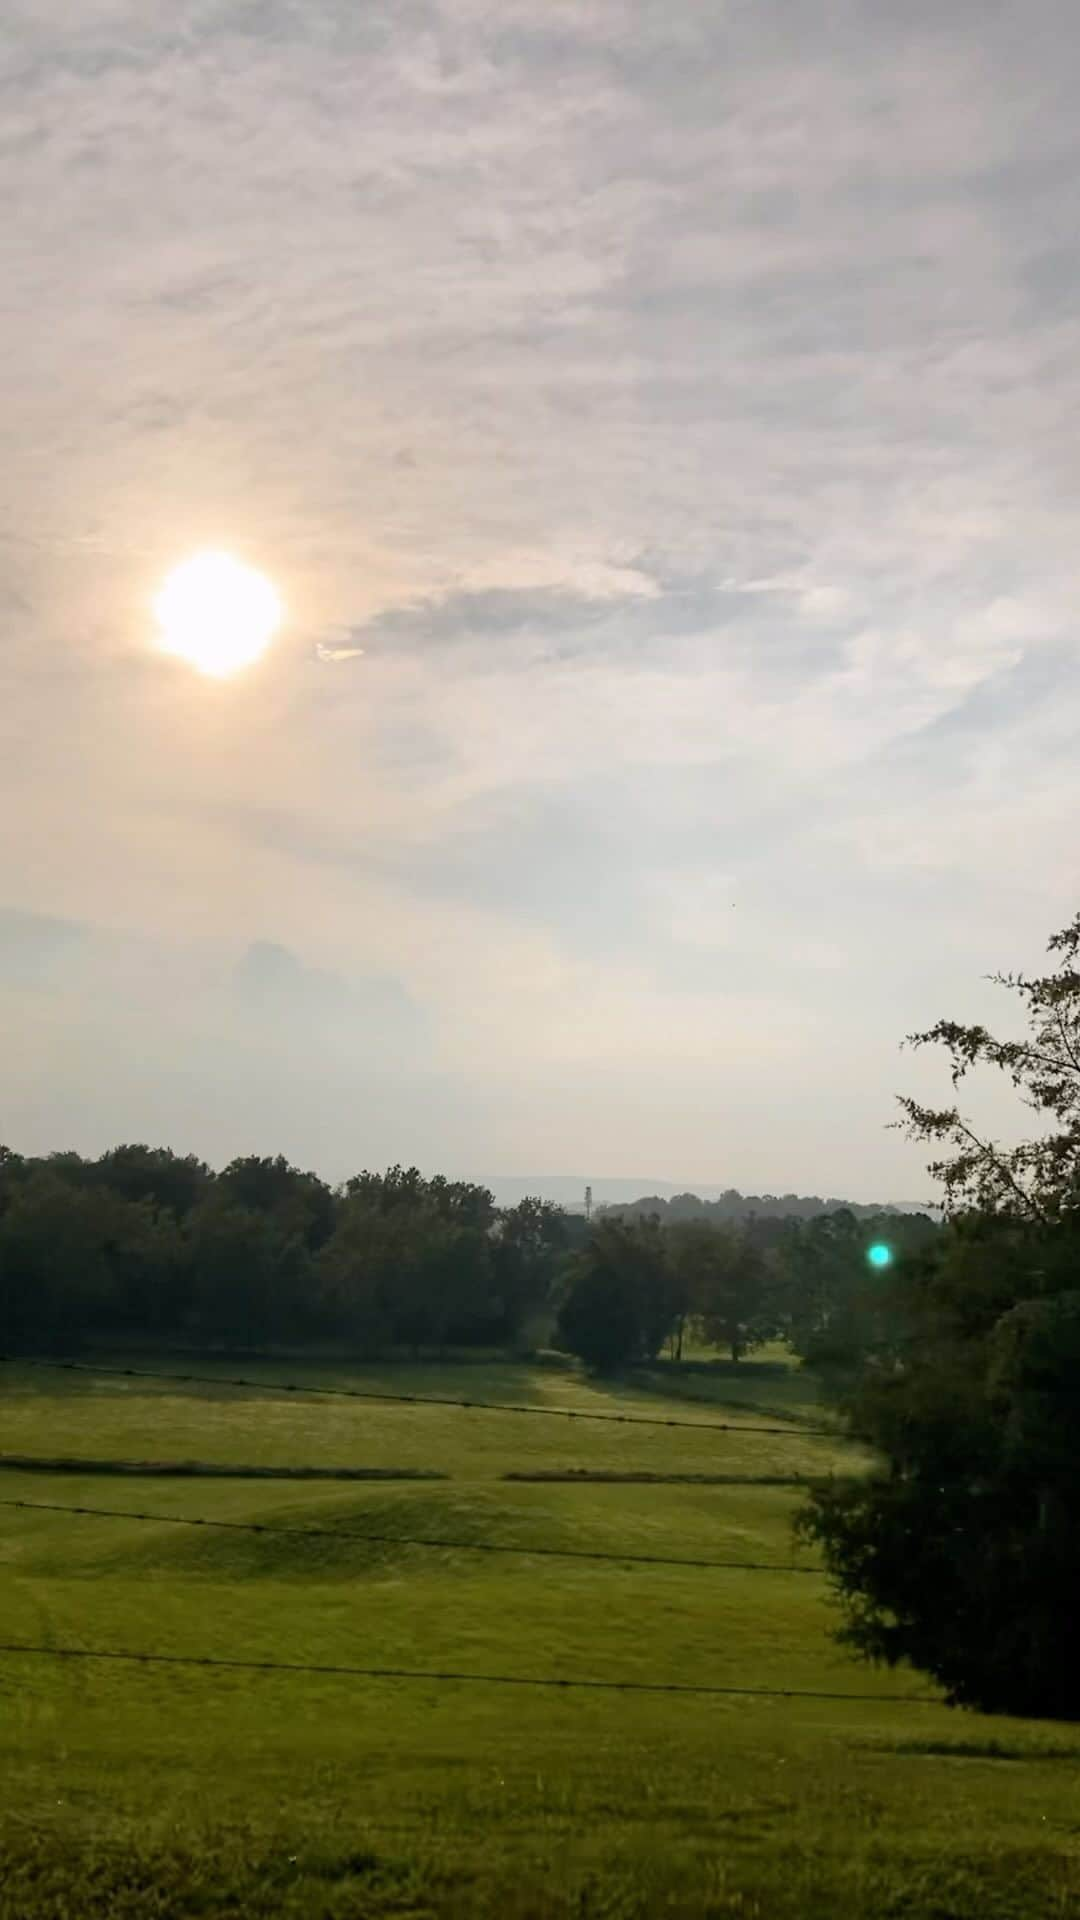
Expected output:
(679, 406)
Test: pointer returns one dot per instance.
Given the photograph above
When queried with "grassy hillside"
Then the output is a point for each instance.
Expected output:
(135, 1790)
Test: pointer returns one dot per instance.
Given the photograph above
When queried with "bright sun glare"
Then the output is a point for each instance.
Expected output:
(216, 613)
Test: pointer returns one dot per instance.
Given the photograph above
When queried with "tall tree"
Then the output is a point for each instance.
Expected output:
(617, 1305)
(833, 1302)
(77, 1259)
(171, 1180)
(300, 1204)
(411, 1260)
(531, 1240)
(722, 1279)
(690, 1243)
(961, 1552)
(249, 1276)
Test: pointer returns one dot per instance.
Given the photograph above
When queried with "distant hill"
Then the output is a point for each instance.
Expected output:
(671, 1201)
(733, 1205)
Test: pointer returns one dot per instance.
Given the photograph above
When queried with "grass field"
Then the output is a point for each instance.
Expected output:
(131, 1790)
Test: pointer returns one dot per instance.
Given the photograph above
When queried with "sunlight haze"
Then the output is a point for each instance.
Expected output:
(216, 613)
(675, 407)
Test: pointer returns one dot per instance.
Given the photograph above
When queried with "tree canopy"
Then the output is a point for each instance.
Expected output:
(960, 1553)
(617, 1308)
(143, 1242)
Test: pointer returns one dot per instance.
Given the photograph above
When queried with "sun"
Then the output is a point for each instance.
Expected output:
(217, 614)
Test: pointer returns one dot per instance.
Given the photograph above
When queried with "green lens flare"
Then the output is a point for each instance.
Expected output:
(879, 1255)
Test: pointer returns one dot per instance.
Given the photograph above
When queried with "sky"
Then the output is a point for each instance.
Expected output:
(678, 405)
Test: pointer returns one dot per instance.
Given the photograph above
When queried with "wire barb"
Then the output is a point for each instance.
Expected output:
(475, 1679)
(407, 1540)
(418, 1399)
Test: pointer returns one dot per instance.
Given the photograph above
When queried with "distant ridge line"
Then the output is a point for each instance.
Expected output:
(568, 1191)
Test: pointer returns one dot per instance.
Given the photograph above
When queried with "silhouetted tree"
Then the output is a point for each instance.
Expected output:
(74, 1259)
(172, 1181)
(249, 1277)
(617, 1306)
(300, 1204)
(412, 1261)
(531, 1241)
(721, 1279)
(961, 1552)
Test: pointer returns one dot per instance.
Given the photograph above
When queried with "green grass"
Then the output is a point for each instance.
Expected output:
(133, 1791)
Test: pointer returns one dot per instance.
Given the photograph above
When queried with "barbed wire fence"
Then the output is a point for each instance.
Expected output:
(432, 1676)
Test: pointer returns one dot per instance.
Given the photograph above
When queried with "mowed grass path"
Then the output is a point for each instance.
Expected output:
(160, 1791)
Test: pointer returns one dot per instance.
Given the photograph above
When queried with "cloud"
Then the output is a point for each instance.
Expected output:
(334, 652)
(37, 951)
(369, 1018)
(674, 406)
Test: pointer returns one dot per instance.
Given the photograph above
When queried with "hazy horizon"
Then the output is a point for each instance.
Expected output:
(566, 1189)
(658, 425)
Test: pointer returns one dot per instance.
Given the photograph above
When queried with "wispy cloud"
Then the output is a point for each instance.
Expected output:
(35, 949)
(675, 408)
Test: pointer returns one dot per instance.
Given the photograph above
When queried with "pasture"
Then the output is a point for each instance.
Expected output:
(162, 1790)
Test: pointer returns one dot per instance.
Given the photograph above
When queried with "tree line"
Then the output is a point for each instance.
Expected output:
(734, 1207)
(143, 1242)
(640, 1287)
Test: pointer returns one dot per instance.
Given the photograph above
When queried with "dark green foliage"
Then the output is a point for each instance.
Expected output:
(833, 1305)
(172, 1182)
(412, 1261)
(961, 1554)
(300, 1205)
(531, 1242)
(635, 1286)
(721, 1280)
(617, 1307)
(144, 1241)
(247, 1279)
(74, 1256)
